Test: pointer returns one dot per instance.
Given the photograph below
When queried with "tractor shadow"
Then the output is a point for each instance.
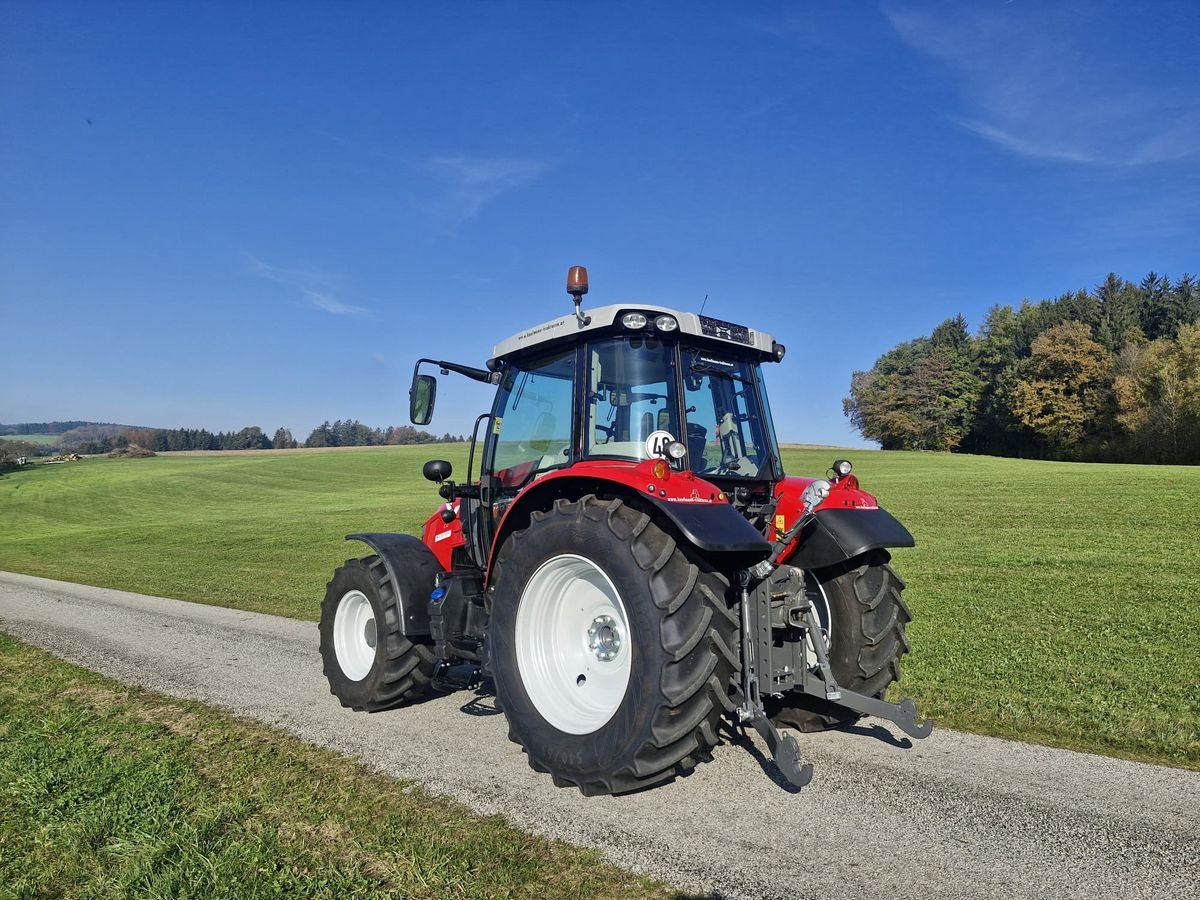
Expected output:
(740, 738)
(483, 704)
(879, 733)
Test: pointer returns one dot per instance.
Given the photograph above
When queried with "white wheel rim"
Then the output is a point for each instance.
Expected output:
(355, 635)
(574, 649)
(820, 604)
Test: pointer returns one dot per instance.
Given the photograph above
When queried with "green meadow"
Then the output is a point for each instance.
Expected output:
(110, 791)
(42, 440)
(1052, 602)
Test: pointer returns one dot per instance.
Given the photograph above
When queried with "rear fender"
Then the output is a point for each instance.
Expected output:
(412, 568)
(695, 509)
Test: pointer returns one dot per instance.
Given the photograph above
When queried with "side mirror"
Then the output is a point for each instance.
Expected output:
(421, 397)
(437, 470)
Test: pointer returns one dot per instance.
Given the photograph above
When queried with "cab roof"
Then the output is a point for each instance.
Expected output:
(607, 319)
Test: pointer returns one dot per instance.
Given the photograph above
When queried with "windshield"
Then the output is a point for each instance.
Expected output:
(728, 433)
(634, 406)
(632, 397)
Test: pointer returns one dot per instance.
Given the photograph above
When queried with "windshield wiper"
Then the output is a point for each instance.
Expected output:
(710, 369)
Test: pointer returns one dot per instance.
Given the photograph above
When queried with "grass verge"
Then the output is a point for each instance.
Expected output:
(110, 791)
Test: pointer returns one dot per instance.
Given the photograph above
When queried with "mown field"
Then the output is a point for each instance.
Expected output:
(1052, 602)
(43, 440)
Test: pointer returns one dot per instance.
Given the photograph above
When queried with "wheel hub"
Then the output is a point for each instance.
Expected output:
(355, 635)
(573, 642)
(604, 638)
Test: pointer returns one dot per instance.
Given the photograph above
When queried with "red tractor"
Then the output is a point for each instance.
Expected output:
(631, 565)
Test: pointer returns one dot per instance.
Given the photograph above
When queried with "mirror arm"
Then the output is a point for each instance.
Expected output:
(470, 371)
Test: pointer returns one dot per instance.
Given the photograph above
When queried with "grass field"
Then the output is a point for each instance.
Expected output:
(42, 440)
(1052, 602)
(108, 791)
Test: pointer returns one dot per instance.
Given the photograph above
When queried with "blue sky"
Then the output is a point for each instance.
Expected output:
(217, 215)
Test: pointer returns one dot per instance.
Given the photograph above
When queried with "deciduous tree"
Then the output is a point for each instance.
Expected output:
(1064, 385)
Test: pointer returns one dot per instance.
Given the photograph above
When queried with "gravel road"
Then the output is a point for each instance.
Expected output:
(956, 815)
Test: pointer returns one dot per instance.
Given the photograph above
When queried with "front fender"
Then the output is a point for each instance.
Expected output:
(412, 568)
(836, 535)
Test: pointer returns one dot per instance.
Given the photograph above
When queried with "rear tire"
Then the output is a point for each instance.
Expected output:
(589, 587)
(370, 664)
(866, 640)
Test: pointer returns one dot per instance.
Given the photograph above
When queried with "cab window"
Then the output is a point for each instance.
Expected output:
(531, 425)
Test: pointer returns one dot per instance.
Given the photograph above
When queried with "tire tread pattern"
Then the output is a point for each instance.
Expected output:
(696, 631)
(407, 666)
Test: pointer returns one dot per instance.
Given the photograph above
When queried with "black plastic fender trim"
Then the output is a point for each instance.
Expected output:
(412, 568)
(716, 528)
(836, 535)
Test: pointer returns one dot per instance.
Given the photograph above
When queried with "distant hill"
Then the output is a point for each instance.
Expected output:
(68, 434)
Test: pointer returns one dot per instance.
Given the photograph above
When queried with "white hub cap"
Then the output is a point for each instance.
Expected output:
(574, 649)
(355, 635)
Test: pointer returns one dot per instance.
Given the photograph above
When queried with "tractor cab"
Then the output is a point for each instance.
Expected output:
(616, 388)
(634, 384)
(644, 384)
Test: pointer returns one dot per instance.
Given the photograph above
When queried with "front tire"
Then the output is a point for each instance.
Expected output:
(370, 664)
(866, 639)
(613, 648)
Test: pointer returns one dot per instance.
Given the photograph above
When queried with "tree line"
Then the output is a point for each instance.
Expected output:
(348, 433)
(1111, 374)
(352, 433)
(45, 427)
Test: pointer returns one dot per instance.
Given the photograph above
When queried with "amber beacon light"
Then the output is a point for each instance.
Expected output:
(577, 284)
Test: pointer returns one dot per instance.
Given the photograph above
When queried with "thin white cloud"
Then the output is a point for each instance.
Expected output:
(1032, 87)
(466, 184)
(330, 304)
(314, 286)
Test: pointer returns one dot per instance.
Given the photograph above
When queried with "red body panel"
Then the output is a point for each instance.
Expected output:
(844, 494)
(677, 487)
(442, 538)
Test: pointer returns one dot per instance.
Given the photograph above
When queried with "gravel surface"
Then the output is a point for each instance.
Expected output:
(956, 815)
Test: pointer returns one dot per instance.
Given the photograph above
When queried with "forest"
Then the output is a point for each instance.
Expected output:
(1107, 375)
(342, 433)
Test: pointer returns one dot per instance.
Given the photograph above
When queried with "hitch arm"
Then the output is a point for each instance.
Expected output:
(903, 714)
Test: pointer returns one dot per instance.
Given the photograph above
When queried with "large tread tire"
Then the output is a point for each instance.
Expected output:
(685, 649)
(401, 669)
(867, 639)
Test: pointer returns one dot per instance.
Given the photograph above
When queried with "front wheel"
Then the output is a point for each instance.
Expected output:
(863, 616)
(612, 648)
(369, 662)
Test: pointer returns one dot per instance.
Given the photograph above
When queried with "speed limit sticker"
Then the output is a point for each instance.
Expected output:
(656, 443)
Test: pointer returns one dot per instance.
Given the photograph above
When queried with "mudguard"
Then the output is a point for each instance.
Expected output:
(713, 526)
(412, 567)
(716, 528)
(836, 535)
